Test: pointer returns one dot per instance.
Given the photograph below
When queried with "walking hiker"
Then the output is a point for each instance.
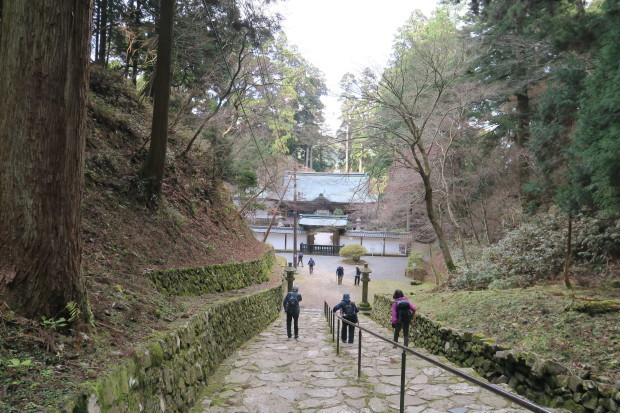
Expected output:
(300, 258)
(358, 272)
(348, 311)
(311, 265)
(291, 306)
(403, 313)
(340, 273)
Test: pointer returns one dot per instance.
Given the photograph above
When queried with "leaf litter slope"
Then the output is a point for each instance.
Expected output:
(122, 241)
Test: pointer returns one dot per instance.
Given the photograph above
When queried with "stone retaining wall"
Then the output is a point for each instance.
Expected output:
(545, 382)
(168, 372)
(210, 279)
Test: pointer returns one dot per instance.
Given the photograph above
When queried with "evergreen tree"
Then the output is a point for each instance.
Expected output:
(595, 152)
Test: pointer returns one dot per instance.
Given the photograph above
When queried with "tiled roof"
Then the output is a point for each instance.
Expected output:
(332, 186)
(378, 234)
(278, 230)
(324, 220)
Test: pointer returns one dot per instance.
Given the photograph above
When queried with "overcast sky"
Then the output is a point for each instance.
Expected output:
(340, 36)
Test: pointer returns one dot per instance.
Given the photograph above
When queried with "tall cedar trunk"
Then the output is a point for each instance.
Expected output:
(523, 136)
(346, 150)
(153, 168)
(44, 55)
(134, 24)
(103, 32)
(97, 24)
(569, 252)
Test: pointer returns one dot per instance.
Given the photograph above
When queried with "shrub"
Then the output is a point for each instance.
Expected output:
(476, 279)
(353, 251)
(416, 260)
(536, 251)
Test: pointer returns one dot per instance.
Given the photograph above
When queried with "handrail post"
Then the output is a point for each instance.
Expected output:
(359, 354)
(402, 381)
(481, 383)
(338, 340)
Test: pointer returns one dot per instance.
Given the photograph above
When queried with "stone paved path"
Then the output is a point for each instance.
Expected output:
(270, 374)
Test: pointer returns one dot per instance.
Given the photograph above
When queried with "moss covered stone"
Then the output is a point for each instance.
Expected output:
(543, 381)
(168, 372)
(211, 279)
(598, 307)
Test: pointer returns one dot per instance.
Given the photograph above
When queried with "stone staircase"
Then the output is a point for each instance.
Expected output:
(272, 374)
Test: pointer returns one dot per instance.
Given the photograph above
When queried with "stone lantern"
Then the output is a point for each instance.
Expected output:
(290, 276)
(365, 305)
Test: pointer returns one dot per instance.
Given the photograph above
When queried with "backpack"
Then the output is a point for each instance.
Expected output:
(403, 312)
(348, 310)
(292, 305)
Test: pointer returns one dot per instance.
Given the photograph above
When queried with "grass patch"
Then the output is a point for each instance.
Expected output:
(538, 319)
(388, 287)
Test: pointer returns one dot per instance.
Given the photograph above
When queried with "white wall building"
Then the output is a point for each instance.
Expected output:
(376, 242)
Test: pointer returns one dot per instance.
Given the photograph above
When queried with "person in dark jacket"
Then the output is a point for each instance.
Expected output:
(311, 265)
(348, 311)
(300, 258)
(398, 324)
(340, 273)
(358, 273)
(291, 306)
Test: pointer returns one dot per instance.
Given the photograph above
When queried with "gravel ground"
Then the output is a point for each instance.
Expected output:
(322, 285)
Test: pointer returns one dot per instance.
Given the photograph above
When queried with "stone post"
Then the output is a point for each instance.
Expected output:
(365, 305)
(290, 276)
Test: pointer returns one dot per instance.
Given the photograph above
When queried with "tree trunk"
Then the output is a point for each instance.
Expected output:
(523, 136)
(463, 249)
(103, 32)
(44, 61)
(153, 168)
(346, 151)
(485, 222)
(569, 252)
(432, 216)
(97, 24)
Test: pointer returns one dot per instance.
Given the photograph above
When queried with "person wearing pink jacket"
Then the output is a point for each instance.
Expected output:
(402, 315)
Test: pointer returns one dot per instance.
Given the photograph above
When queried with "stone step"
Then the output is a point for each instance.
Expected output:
(270, 374)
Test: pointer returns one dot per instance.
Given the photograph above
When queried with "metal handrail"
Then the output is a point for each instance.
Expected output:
(332, 316)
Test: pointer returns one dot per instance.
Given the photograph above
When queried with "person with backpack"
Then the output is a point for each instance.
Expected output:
(402, 315)
(348, 311)
(311, 265)
(340, 273)
(291, 306)
(300, 258)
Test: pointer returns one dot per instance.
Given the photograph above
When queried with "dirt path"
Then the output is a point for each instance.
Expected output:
(322, 285)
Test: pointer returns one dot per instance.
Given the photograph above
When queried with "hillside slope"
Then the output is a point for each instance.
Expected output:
(196, 224)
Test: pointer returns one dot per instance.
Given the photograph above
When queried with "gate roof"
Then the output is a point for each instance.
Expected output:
(351, 188)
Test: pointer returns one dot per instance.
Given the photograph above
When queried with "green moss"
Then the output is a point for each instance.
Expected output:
(478, 338)
(598, 307)
(157, 354)
(213, 278)
(182, 371)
